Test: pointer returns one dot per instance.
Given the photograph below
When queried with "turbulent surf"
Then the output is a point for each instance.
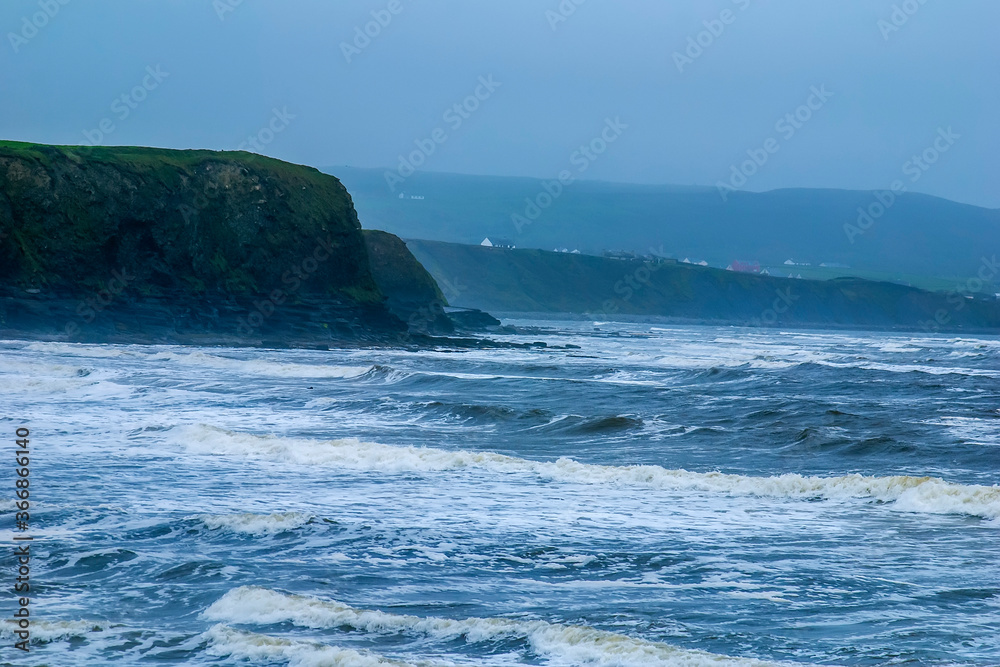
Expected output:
(627, 495)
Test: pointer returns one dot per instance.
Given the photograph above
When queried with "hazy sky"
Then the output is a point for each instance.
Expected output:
(226, 66)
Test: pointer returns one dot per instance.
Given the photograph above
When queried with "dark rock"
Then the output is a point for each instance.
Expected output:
(140, 244)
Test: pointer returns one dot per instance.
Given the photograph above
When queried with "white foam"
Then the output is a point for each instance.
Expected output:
(564, 643)
(33, 376)
(226, 641)
(255, 524)
(913, 368)
(50, 631)
(974, 430)
(108, 351)
(917, 494)
(202, 359)
(897, 347)
(33, 367)
(262, 366)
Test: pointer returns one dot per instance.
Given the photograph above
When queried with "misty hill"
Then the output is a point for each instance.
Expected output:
(920, 239)
(504, 280)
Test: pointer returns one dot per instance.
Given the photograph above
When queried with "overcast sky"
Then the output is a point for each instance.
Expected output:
(226, 66)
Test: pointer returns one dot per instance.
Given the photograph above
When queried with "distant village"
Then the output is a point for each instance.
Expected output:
(739, 266)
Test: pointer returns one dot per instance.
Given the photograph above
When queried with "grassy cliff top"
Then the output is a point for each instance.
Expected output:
(142, 157)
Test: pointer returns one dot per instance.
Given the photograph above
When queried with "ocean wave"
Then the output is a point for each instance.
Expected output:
(225, 641)
(43, 632)
(255, 524)
(910, 368)
(203, 359)
(32, 367)
(566, 643)
(608, 424)
(580, 425)
(973, 430)
(32, 376)
(897, 347)
(386, 374)
(109, 351)
(908, 493)
(978, 343)
(472, 412)
(263, 366)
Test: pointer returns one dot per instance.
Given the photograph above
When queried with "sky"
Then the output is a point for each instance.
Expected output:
(699, 91)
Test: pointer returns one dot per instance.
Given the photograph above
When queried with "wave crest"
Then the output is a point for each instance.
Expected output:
(229, 642)
(577, 644)
(929, 495)
(255, 524)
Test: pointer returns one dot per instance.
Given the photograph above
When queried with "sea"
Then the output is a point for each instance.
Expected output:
(627, 495)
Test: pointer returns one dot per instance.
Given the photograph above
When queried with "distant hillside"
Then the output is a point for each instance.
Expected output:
(508, 281)
(919, 239)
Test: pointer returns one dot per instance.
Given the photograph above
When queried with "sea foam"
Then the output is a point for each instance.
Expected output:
(49, 631)
(563, 644)
(255, 524)
(226, 641)
(930, 495)
(262, 366)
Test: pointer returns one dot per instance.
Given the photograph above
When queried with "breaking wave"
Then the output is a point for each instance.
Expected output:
(255, 524)
(253, 605)
(229, 642)
(43, 632)
(930, 495)
(263, 366)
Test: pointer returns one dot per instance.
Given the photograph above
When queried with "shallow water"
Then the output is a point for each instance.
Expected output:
(659, 496)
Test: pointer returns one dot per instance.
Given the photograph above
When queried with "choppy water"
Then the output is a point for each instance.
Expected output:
(660, 496)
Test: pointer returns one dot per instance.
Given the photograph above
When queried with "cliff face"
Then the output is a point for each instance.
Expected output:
(196, 221)
(412, 294)
(277, 245)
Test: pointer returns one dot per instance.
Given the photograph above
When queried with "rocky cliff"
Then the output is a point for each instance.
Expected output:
(412, 294)
(98, 242)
